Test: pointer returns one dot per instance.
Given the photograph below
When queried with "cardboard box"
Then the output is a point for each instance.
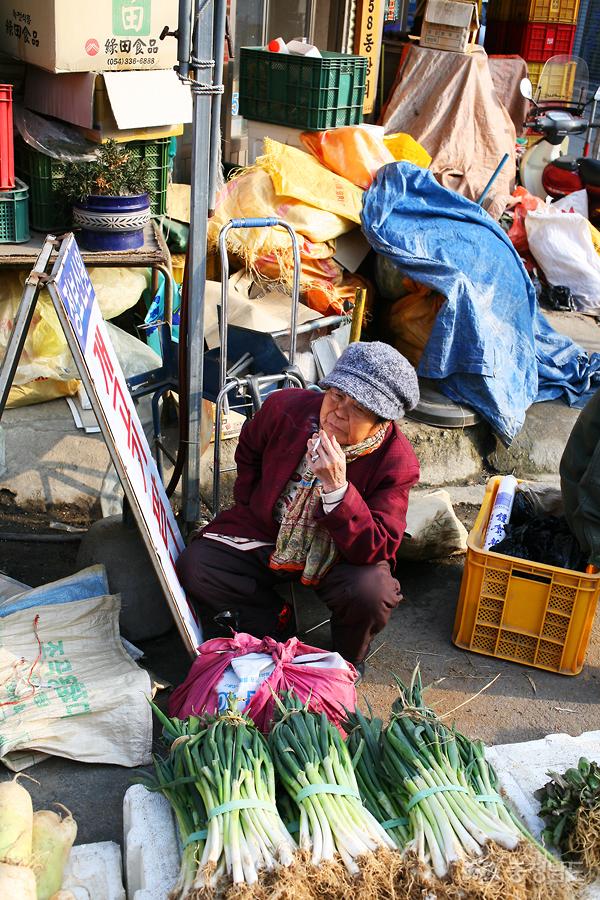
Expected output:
(449, 25)
(258, 131)
(261, 307)
(124, 106)
(86, 36)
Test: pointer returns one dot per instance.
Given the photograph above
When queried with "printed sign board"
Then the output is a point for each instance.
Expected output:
(81, 36)
(367, 42)
(73, 295)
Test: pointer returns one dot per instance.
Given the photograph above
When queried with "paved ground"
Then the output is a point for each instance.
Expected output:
(49, 463)
(522, 704)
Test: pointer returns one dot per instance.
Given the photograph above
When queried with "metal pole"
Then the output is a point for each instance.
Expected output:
(360, 298)
(224, 323)
(184, 37)
(215, 122)
(202, 64)
(497, 170)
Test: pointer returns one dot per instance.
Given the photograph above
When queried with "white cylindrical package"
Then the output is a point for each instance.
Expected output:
(501, 511)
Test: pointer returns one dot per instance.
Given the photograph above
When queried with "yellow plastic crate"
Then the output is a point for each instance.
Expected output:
(526, 612)
(534, 70)
(559, 11)
(558, 84)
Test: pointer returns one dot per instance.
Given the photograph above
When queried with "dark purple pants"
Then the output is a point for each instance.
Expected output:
(218, 578)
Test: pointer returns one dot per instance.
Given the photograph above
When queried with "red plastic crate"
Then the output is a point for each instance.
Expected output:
(538, 41)
(7, 150)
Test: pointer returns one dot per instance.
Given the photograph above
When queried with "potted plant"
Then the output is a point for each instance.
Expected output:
(111, 198)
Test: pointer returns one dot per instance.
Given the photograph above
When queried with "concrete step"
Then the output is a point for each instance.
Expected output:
(49, 462)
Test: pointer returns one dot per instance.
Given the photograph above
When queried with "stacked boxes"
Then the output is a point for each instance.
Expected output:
(534, 29)
(104, 71)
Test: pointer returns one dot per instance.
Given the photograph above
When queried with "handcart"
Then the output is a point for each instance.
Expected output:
(250, 363)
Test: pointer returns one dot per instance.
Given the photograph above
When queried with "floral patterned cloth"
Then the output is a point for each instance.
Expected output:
(303, 545)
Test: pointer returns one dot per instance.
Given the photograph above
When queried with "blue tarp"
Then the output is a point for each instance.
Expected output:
(91, 582)
(491, 347)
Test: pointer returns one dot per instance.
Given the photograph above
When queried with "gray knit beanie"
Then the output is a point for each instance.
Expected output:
(376, 376)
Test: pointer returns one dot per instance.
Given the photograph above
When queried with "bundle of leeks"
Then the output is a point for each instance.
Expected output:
(364, 742)
(220, 781)
(459, 825)
(314, 766)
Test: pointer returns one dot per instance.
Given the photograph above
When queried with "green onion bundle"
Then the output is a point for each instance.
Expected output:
(448, 819)
(172, 779)
(236, 780)
(315, 768)
(364, 743)
(227, 771)
(484, 782)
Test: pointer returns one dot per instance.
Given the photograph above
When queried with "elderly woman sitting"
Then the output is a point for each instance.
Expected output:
(320, 497)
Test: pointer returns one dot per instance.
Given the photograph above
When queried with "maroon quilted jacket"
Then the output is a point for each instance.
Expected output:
(366, 527)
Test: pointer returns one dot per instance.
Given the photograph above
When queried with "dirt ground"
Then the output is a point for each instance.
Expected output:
(522, 704)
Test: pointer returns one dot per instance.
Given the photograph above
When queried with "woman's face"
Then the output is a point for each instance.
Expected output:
(344, 418)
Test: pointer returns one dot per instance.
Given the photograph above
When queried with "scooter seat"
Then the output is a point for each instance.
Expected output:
(589, 170)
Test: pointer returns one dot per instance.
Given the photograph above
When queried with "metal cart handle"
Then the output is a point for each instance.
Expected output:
(255, 223)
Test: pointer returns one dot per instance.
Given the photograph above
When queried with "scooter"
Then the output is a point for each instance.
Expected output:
(544, 170)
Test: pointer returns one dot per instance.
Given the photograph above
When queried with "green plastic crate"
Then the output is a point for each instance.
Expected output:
(48, 207)
(14, 214)
(156, 156)
(302, 91)
(50, 211)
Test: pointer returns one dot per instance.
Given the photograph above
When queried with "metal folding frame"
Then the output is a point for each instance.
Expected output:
(38, 279)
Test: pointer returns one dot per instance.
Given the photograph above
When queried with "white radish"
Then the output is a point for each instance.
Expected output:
(17, 882)
(16, 823)
(53, 837)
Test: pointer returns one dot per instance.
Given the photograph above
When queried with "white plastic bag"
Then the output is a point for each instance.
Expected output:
(561, 243)
(577, 202)
(245, 674)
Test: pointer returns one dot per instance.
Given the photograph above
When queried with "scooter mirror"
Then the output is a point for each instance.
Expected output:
(597, 94)
(526, 88)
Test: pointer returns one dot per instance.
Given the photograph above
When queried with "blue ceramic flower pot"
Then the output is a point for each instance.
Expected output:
(112, 223)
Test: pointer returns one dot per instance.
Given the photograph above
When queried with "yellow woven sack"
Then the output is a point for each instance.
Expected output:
(404, 147)
(40, 390)
(252, 194)
(297, 174)
(46, 368)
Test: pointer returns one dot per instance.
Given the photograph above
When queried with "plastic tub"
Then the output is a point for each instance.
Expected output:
(538, 41)
(527, 612)
(14, 214)
(564, 11)
(7, 163)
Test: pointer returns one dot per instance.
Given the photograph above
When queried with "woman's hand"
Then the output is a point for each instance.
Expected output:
(328, 461)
